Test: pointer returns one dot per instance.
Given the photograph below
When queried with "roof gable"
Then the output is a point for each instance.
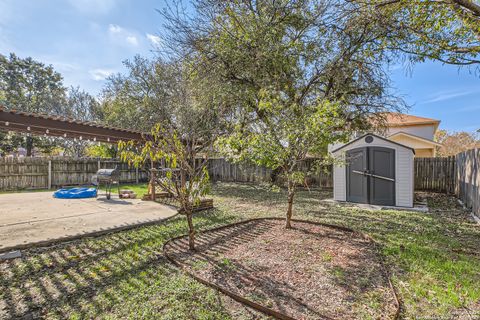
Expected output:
(376, 136)
(412, 136)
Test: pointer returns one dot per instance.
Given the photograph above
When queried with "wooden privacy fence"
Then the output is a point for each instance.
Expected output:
(467, 179)
(45, 173)
(435, 174)
(222, 170)
(459, 175)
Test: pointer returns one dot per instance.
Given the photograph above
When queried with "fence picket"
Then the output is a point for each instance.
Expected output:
(459, 175)
(434, 174)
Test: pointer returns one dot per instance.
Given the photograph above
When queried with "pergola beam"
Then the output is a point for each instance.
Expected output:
(39, 124)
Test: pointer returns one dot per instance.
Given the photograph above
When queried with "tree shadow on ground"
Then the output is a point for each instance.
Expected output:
(90, 277)
(264, 194)
(215, 261)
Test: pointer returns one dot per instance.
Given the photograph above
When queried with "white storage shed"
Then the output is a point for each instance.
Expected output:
(374, 170)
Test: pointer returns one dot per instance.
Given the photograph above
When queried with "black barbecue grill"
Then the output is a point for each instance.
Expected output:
(107, 177)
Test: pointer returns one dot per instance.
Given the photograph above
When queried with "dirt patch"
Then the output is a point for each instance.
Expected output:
(309, 272)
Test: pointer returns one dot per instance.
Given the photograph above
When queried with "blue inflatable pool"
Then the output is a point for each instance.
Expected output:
(75, 193)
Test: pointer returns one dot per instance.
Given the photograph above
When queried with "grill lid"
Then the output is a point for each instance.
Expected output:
(108, 175)
(107, 172)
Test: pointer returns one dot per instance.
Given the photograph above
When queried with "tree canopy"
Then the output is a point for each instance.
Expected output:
(143, 96)
(187, 124)
(456, 142)
(447, 31)
(31, 86)
(296, 75)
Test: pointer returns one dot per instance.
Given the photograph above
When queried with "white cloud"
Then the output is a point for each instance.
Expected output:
(113, 28)
(93, 6)
(447, 95)
(155, 40)
(467, 109)
(100, 74)
(132, 40)
(122, 35)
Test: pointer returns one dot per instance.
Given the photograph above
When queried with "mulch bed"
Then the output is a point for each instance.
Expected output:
(309, 272)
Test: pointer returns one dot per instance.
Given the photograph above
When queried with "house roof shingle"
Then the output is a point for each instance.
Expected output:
(394, 119)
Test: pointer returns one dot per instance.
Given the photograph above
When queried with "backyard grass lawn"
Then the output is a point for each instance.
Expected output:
(434, 260)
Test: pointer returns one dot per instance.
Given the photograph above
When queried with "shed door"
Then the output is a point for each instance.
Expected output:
(381, 170)
(371, 175)
(357, 181)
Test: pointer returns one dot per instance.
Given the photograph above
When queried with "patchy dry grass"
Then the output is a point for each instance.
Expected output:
(434, 259)
(285, 270)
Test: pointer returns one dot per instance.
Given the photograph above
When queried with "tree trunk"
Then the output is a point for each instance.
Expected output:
(191, 232)
(291, 194)
(29, 146)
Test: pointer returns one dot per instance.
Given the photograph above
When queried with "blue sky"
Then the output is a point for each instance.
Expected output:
(87, 40)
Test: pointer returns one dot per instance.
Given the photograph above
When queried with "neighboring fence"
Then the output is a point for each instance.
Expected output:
(222, 170)
(21, 173)
(435, 174)
(467, 179)
(459, 175)
(44, 173)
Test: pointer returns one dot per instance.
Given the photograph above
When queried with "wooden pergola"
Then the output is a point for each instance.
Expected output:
(56, 126)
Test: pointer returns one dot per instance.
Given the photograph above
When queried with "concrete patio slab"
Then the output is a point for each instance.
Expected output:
(36, 218)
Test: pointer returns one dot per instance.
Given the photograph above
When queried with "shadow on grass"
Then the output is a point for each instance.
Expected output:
(434, 257)
(91, 277)
(263, 194)
(215, 261)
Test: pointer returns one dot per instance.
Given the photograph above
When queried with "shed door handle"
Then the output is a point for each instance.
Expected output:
(382, 177)
(364, 173)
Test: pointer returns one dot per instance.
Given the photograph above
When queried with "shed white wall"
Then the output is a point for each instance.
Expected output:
(403, 171)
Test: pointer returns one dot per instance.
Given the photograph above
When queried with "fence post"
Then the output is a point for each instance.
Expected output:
(49, 174)
(136, 174)
(98, 164)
